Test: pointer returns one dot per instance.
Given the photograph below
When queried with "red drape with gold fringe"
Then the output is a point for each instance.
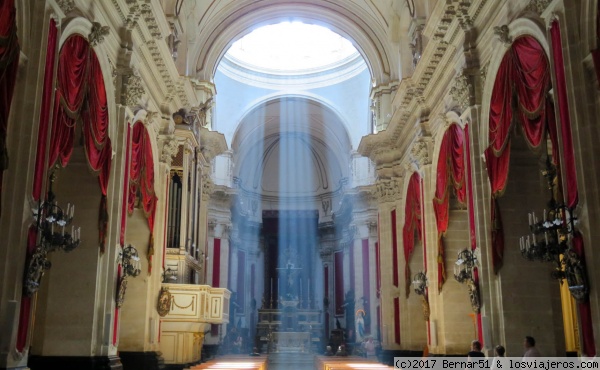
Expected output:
(412, 222)
(522, 83)
(141, 179)
(9, 63)
(81, 96)
(568, 157)
(450, 175)
(472, 234)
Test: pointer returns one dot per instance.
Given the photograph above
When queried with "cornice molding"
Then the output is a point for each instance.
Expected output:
(212, 143)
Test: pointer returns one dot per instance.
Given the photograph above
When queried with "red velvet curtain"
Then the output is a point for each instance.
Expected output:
(45, 112)
(522, 83)
(9, 63)
(72, 78)
(471, 207)
(412, 222)
(125, 205)
(450, 174)
(98, 148)
(568, 158)
(141, 179)
(81, 95)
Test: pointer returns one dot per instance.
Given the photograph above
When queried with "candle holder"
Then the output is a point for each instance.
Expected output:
(420, 283)
(551, 240)
(51, 221)
(463, 273)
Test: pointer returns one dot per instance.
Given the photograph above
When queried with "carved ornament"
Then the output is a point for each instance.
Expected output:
(132, 90)
(169, 149)
(503, 34)
(66, 5)
(387, 190)
(96, 36)
(420, 153)
(207, 186)
(538, 6)
(460, 91)
(164, 302)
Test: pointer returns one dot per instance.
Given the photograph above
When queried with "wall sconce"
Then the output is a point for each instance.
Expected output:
(463, 267)
(550, 241)
(51, 220)
(131, 261)
(169, 276)
(420, 283)
(463, 273)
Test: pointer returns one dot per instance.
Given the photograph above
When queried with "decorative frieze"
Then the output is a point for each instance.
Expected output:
(96, 36)
(169, 149)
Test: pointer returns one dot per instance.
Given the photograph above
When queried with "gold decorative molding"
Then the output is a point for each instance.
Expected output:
(164, 302)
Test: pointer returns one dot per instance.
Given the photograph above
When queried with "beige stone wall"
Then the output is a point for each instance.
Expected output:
(67, 297)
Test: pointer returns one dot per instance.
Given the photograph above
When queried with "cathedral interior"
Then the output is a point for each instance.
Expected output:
(206, 179)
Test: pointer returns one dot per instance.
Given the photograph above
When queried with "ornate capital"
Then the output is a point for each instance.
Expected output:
(207, 186)
(132, 90)
(503, 34)
(420, 152)
(96, 36)
(169, 149)
(460, 91)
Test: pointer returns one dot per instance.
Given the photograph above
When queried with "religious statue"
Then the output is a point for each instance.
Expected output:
(349, 314)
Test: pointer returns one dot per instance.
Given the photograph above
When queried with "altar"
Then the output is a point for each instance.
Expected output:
(289, 329)
(291, 341)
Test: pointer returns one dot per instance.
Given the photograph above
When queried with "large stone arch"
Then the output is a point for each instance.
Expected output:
(255, 129)
(366, 31)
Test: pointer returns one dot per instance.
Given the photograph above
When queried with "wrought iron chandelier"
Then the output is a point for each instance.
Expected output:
(463, 273)
(130, 261)
(52, 224)
(420, 283)
(551, 240)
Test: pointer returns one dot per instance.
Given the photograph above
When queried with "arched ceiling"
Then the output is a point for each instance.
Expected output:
(365, 22)
(291, 147)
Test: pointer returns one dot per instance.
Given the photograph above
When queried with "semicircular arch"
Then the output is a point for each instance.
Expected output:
(366, 32)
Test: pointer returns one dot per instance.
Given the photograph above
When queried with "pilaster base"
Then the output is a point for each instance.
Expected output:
(142, 361)
(74, 362)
